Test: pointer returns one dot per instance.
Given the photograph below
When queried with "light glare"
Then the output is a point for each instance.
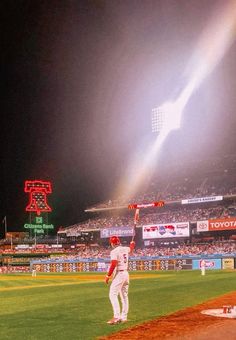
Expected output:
(212, 46)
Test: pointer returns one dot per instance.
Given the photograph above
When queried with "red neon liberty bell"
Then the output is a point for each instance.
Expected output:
(38, 191)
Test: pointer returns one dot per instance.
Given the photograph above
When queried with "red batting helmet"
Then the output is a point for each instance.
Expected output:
(115, 240)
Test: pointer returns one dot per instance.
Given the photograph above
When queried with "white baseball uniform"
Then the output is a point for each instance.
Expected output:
(203, 267)
(34, 272)
(120, 282)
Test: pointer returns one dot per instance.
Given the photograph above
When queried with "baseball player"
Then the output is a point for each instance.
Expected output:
(203, 267)
(33, 272)
(120, 283)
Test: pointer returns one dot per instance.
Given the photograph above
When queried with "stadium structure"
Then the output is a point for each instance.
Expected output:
(198, 220)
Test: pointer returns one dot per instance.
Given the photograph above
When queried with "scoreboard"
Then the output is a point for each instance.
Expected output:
(165, 264)
(95, 266)
(183, 264)
(69, 267)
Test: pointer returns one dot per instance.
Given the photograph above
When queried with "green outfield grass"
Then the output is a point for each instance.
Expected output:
(76, 306)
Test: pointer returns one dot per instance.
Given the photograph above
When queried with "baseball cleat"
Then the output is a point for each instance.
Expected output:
(113, 321)
(123, 320)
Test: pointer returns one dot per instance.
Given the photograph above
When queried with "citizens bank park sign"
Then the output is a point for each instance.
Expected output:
(217, 224)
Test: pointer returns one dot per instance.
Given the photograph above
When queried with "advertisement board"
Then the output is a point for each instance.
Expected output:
(202, 199)
(228, 263)
(167, 230)
(217, 224)
(210, 264)
(118, 231)
(17, 234)
(222, 224)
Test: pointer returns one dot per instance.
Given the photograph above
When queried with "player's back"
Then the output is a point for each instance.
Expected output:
(121, 254)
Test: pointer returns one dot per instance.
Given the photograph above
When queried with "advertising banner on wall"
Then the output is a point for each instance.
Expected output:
(210, 264)
(118, 231)
(168, 230)
(217, 224)
(202, 226)
(202, 199)
(228, 263)
(17, 234)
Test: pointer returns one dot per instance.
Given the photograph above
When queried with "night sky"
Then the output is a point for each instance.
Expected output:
(78, 82)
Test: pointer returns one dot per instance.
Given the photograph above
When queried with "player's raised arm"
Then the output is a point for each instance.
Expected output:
(131, 246)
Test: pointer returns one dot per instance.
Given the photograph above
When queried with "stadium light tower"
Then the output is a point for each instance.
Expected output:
(213, 44)
(157, 119)
(167, 117)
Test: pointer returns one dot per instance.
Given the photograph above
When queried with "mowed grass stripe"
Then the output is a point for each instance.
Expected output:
(43, 285)
(23, 282)
(18, 282)
(67, 276)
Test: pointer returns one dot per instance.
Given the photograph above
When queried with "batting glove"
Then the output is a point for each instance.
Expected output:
(132, 245)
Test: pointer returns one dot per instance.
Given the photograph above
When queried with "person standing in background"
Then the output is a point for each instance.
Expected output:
(203, 267)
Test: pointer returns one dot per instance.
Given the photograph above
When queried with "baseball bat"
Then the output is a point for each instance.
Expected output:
(136, 218)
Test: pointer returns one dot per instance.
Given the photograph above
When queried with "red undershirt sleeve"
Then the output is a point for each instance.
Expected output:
(113, 265)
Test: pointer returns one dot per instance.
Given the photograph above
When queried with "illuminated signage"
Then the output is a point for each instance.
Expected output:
(38, 206)
(38, 191)
(146, 205)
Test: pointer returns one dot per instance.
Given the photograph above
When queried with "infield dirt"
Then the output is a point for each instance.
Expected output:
(187, 324)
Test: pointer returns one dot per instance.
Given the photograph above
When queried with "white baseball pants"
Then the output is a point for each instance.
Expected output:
(120, 286)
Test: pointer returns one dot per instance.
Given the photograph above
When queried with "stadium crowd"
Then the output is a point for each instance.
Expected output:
(217, 176)
(227, 247)
(181, 214)
(175, 191)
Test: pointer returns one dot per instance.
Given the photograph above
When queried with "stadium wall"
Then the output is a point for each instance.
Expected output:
(215, 261)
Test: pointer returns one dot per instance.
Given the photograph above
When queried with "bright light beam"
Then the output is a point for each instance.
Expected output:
(212, 46)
